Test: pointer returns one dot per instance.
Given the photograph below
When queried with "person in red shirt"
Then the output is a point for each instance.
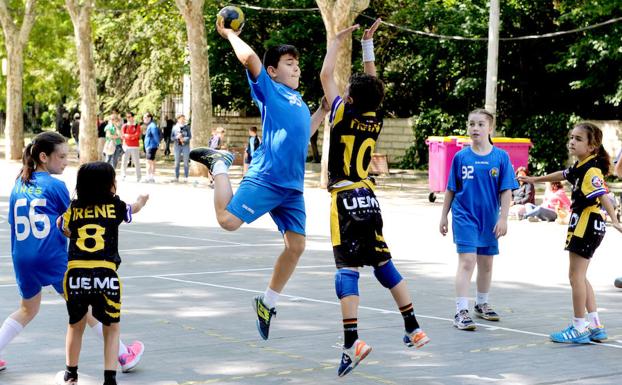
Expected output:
(131, 137)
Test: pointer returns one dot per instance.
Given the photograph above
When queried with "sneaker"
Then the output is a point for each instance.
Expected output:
(129, 360)
(570, 335)
(618, 283)
(417, 338)
(534, 219)
(264, 315)
(2, 364)
(485, 311)
(463, 321)
(351, 357)
(59, 379)
(598, 333)
(209, 157)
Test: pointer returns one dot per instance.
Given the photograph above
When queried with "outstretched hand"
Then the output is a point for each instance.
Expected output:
(526, 179)
(345, 32)
(369, 32)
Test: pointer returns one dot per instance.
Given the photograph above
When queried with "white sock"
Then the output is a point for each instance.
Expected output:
(270, 298)
(594, 319)
(98, 330)
(219, 168)
(481, 298)
(579, 324)
(462, 303)
(9, 330)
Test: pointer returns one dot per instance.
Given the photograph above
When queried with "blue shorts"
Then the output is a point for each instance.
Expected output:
(488, 250)
(286, 206)
(32, 276)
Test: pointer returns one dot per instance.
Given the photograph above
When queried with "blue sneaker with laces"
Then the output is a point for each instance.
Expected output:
(571, 335)
(264, 316)
(598, 333)
(352, 356)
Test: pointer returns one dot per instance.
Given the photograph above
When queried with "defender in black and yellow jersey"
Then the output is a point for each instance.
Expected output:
(356, 220)
(586, 227)
(92, 224)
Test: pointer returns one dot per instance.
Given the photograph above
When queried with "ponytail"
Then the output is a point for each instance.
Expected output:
(45, 142)
(28, 164)
(604, 162)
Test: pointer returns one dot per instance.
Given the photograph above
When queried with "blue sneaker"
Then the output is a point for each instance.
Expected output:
(570, 335)
(264, 315)
(209, 157)
(352, 357)
(598, 333)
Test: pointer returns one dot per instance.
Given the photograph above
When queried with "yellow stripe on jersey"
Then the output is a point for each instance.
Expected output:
(339, 113)
(584, 219)
(112, 303)
(82, 264)
(66, 219)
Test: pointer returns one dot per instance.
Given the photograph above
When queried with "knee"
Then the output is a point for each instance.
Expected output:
(387, 275)
(467, 264)
(346, 283)
(296, 248)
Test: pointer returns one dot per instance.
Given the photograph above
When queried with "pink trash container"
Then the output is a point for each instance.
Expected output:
(441, 152)
(517, 149)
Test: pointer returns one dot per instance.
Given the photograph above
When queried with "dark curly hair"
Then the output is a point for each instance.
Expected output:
(366, 91)
(273, 54)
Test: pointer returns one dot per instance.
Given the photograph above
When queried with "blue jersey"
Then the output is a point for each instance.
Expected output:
(38, 247)
(477, 181)
(286, 127)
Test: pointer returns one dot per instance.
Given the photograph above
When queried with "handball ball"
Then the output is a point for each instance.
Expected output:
(233, 17)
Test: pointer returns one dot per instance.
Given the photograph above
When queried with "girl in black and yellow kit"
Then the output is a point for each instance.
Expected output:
(586, 228)
(92, 224)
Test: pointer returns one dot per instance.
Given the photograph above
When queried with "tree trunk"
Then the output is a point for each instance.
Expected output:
(15, 43)
(201, 107)
(337, 15)
(81, 19)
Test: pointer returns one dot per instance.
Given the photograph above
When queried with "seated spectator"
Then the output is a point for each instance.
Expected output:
(525, 193)
(555, 200)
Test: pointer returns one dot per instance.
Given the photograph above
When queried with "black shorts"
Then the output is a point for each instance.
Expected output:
(356, 227)
(98, 287)
(150, 153)
(585, 232)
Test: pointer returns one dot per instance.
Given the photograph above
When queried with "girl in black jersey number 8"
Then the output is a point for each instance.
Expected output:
(586, 228)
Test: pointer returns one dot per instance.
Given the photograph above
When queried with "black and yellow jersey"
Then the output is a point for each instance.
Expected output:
(95, 229)
(352, 141)
(587, 182)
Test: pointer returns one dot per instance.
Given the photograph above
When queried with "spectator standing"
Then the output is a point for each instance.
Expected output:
(180, 135)
(131, 139)
(168, 129)
(152, 141)
(251, 145)
(75, 131)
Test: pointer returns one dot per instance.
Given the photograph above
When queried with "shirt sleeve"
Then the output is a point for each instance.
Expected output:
(569, 174)
(336, 111)
(593, 184)
(508, 179)
(262, 88)
(454, 183)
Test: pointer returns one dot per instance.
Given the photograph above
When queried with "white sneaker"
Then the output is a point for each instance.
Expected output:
(59, 379)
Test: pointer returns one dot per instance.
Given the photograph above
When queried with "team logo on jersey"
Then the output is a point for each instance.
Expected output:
(597, 182)
(494, 172)
(294, 99)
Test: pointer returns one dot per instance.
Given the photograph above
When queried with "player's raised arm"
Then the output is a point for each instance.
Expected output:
(329, 85)
(245, 54)
(367, 43)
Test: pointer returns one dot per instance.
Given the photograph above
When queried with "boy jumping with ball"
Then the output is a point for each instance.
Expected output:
(356, 220)
(275, 178)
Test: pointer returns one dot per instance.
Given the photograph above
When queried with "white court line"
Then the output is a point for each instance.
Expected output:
(179, 236)
(160, 248)
(221, 272)
(384, 311)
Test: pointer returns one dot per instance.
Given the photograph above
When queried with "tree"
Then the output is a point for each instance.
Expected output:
(337, 15)
(80, 13)
(15, 41)
(192, 11)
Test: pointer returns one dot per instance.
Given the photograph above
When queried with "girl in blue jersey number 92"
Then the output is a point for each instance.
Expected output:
(479, 191)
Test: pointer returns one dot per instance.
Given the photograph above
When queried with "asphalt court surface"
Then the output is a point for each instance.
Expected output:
(188, 286)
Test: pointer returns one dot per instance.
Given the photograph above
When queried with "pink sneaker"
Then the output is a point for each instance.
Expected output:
(130, 359)
(2, 364)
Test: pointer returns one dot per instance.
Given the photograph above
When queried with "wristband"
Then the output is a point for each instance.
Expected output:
(368, 50)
